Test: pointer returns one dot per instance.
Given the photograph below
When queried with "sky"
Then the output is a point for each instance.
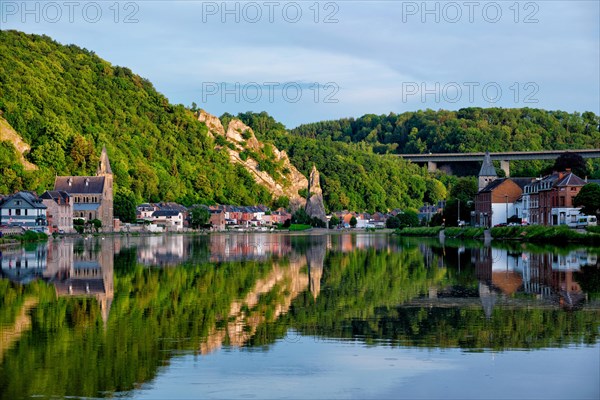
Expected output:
(307, 61)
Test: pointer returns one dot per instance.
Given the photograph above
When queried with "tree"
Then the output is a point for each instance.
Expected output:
(464, 190)
(435, 191)
(408, 218)
(334, 221)
(79, 225)
(353, 222)
(281, 201)
(588, 199)
(392, 222)
(125, 207)
(96, 224)
(199, 216)
(573, 161)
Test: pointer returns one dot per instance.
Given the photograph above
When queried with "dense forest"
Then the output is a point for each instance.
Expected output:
(352, 176)
(467, 130)
(67, 103)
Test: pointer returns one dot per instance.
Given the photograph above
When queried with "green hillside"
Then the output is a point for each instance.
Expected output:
(352, 176)
(466, 130)
(66, 102)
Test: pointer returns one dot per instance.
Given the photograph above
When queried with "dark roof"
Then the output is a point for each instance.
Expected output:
(55, 195)
(522, 182)
(80, 184)
(493, 185)
(30, 198)
(487, 167)
(165, 213)
(172, 206)
(86, 206)
(571, 179)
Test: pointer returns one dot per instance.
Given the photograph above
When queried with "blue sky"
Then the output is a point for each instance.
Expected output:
(307, 61)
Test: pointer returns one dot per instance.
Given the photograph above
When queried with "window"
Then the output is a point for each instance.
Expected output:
(18, 211)
(25, 211)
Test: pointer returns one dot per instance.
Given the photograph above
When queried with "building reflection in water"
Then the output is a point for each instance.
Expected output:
(76, 268)
(547, 276)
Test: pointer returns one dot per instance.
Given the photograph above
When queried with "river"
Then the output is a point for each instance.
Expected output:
(298, 316)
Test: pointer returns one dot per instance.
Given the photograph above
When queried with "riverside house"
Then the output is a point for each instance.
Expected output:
(24, 209)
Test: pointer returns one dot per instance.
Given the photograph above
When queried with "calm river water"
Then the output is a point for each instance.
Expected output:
(298, 316)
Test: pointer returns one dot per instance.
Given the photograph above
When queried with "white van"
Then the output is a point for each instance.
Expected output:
(586, 220)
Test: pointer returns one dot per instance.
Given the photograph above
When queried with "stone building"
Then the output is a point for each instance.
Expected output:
(92, 196)
(59, 212)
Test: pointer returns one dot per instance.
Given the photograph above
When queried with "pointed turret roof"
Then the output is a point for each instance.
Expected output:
(104, 167)
(487, 168)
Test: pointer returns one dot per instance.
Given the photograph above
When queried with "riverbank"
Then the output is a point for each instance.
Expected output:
(532, 233)
(27, 237)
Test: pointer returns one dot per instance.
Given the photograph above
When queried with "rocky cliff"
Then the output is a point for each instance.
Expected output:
(7, 133)
(314, 204)
(281, 178)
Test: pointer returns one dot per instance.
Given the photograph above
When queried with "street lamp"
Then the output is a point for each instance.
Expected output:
(506, 199)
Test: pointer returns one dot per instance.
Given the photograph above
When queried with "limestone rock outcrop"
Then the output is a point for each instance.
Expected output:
(242, 140)
(314, 204)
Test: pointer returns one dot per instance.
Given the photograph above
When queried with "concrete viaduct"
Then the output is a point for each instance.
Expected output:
(505, 157)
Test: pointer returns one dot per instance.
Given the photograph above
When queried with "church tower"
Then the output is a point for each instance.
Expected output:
(487, 173)
(107, 193)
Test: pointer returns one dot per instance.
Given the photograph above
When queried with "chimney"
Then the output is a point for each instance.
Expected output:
(87, 181)
(70, 181)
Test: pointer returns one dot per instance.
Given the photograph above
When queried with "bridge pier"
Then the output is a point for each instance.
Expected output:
(505, 166)
(431, 166)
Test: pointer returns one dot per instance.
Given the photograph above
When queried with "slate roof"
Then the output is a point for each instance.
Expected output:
(487, 167)
(80, 184)
(522, 182)
(29, 197)
(493, 185)
(86, 206)
(165, 213)
(571, 179)
(56, 195)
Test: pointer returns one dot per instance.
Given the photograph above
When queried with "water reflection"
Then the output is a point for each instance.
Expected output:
(125, 306)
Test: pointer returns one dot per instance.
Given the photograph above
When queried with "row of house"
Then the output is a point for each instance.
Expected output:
(175, 217)
(542, 201)
(84, 197)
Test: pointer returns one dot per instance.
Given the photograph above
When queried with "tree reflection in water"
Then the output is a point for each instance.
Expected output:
(97, 317)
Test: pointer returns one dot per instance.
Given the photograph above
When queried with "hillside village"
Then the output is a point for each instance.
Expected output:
(80, 203)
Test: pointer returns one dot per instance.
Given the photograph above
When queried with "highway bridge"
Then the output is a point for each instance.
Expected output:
(432, 160)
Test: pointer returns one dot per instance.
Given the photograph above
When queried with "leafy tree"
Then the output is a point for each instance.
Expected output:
(353, 222)
(282, 201)
(334, 221)
(588, 199)
(464, 190)
(125, 207)
(408, 218)
(79, 225)
(435, 191)
(392, 222)
(573, 161)
(95, 224)
(199, 216)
